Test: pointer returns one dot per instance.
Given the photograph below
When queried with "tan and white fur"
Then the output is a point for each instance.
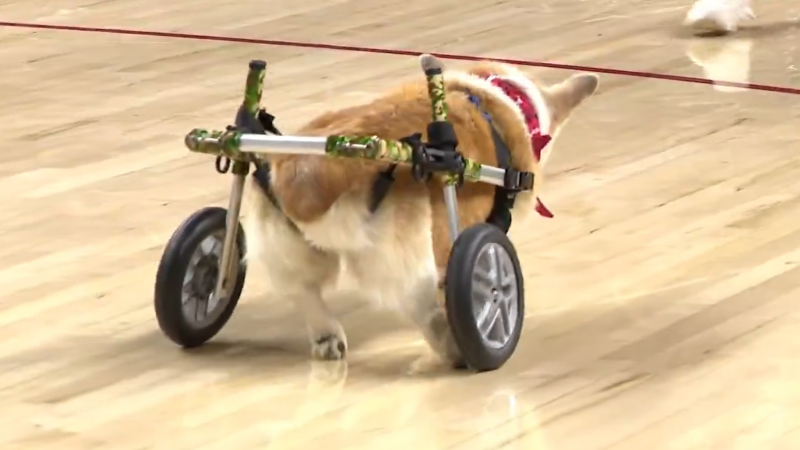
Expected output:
(398, 254)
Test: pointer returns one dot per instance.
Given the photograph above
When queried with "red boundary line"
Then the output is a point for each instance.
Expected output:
(386, 51)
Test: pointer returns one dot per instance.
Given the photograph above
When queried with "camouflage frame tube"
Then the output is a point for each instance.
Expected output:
(203, 141)
(237, 146)
(436, 91)
(254, 86)
(368, 147)
(474, 172)
(225, 143)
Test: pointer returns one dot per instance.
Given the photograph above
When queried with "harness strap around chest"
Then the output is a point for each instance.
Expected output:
(262, 174)
(500, 216)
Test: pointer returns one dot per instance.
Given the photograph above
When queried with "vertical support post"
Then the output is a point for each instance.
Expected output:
(252, 104)
(226, 278)
(451, 203)
(254, 86)
(441, 133)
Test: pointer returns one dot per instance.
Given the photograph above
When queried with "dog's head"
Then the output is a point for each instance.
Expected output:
(554, 104)
(534, 112)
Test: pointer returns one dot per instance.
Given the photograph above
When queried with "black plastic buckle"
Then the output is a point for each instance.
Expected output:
(516, 180)
(427, 158)
(267, 122)
(262, 123)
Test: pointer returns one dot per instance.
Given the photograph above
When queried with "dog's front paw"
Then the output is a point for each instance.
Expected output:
(329, 347)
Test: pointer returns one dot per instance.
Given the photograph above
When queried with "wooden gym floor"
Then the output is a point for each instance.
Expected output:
(663, 297)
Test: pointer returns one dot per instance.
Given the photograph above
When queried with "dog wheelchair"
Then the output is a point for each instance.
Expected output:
(201, 273)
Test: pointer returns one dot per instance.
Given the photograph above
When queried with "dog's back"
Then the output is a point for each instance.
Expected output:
(328, 198)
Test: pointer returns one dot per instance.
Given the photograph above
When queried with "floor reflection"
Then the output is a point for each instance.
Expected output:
(723, 60)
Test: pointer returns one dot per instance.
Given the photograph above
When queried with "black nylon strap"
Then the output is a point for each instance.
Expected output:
(380, 187)
(500, 216)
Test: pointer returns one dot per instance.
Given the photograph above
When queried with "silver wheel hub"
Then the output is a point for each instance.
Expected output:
(200, 307)
(495, 296)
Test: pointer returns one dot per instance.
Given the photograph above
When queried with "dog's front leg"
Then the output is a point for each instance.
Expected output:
(297, 273)
(301, 278)
(328, 339)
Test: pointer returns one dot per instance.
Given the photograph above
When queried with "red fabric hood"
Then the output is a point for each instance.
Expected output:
(538, 140)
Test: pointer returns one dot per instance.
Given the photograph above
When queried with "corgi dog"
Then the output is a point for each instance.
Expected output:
(315, 224)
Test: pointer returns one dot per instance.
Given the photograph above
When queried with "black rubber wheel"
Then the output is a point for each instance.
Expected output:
(485, 297)
(174, 294)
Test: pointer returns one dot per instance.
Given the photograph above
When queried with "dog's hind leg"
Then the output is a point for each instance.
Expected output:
(402, 276)
(295, 272)
(425, 307)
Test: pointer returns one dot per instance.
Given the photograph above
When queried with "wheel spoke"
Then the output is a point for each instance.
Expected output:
(507, 277)
(484, 314)
(494, 263)
(209, 245)
(495, 295)
(187, 292)
(201, 309)
(506, 324)
(213, 301)
(217, 248)
(190, 268)
(483, 282)
(487, 326)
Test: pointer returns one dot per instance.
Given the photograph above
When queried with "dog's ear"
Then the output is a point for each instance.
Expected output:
(569, 94)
